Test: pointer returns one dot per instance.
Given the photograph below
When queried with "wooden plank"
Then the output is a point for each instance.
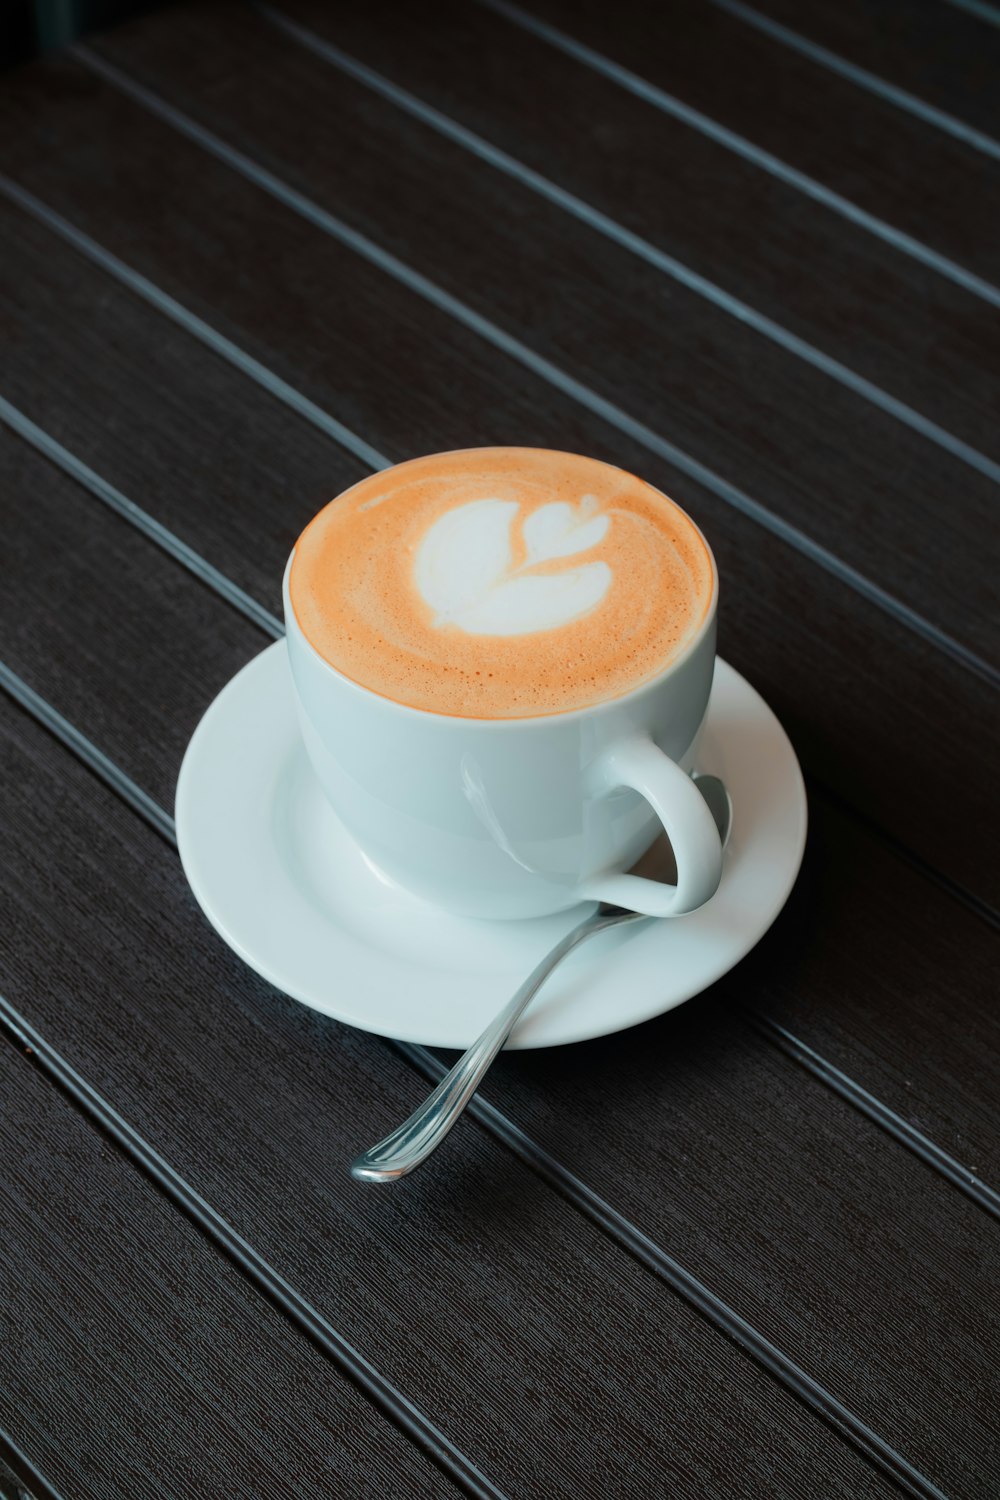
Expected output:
(857, 690)
(849, 477)
(945, 57)
(98, 634)
(821, 278)
(885, 162)
(889, 979)
(138, 1363)
(736, 1132)
(19, 1478)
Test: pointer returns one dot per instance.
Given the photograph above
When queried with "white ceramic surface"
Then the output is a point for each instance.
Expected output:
(518, 818)
(281, 881)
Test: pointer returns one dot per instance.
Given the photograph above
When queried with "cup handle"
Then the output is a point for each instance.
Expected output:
(690, 827)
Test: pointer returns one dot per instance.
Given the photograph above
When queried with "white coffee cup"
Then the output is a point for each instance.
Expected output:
(514, 818)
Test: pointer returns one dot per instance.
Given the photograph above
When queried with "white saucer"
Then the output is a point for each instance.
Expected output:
(280, 880)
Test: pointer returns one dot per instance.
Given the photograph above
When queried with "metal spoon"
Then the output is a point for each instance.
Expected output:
(413, 1142)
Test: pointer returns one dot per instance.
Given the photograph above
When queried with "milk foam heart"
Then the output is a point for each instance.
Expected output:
(465, 571)
(501, 582)
(559, 530)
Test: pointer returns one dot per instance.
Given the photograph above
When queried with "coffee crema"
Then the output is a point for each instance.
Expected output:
(501, 583)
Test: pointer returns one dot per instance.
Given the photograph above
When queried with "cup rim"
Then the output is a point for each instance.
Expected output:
(561, 716)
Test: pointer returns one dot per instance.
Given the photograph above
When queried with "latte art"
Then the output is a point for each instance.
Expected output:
(465, 567)
(501, 582)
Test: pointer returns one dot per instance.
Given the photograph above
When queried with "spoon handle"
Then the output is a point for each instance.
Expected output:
(412, 1142)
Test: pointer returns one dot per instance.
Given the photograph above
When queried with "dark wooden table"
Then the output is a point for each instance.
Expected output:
(749, 1249)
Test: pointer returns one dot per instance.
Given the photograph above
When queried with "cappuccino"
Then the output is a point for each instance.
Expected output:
(501, 583)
